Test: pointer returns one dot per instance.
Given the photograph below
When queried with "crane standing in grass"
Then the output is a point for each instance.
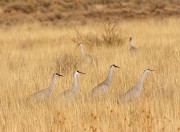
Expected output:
(132, 48)
(45, 93)
(87, 57)
(102, 87)
(135, 91)
(74, 89)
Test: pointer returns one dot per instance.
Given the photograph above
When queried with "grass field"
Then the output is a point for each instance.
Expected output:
(31, 53)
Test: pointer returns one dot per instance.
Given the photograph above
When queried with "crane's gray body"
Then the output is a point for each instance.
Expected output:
(102, 88)
(136, 90)
(74, 89)
(132, 48)
(45, 93)
(70, 93)
(87, 57)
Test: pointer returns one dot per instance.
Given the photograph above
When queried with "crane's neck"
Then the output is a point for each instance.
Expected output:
(82, 50)
(52, 82)
(75, 83)
(131, 44)
(109, 77)
(141, 81)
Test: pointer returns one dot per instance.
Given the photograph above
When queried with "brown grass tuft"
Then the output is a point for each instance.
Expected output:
(109, 34)
(20, 8)
(67, 62)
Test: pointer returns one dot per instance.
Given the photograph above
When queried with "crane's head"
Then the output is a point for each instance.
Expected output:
(130, 39)
(148, 70)
(57, 74)
(78, 72)
(115, 66)
(80, 44)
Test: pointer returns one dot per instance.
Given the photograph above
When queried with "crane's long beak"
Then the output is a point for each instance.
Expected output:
(59, 74)
(81, 72)
(78, 45)
(151, 70)
(116, 66)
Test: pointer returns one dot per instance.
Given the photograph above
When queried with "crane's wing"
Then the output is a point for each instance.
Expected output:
(99, 89)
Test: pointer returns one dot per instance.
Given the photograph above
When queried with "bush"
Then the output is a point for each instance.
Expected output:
(109, 35)
(67, 62)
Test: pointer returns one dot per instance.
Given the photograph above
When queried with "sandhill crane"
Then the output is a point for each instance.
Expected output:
(74, 89)
(135, 91)
(102, 87)
(87, 57)
(45, 93)
(132, 48)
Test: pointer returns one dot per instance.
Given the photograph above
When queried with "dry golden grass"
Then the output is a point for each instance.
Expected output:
(31, 53)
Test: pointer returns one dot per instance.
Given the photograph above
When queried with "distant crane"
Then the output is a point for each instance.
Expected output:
(135, 91)
(87, 57)
(132, 48)
(102, 87)
(74, 89)
(45, 93)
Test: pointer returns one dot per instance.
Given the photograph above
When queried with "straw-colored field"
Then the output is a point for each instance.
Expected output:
(31, 53)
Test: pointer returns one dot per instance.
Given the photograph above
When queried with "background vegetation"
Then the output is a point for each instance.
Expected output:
(83, 11)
